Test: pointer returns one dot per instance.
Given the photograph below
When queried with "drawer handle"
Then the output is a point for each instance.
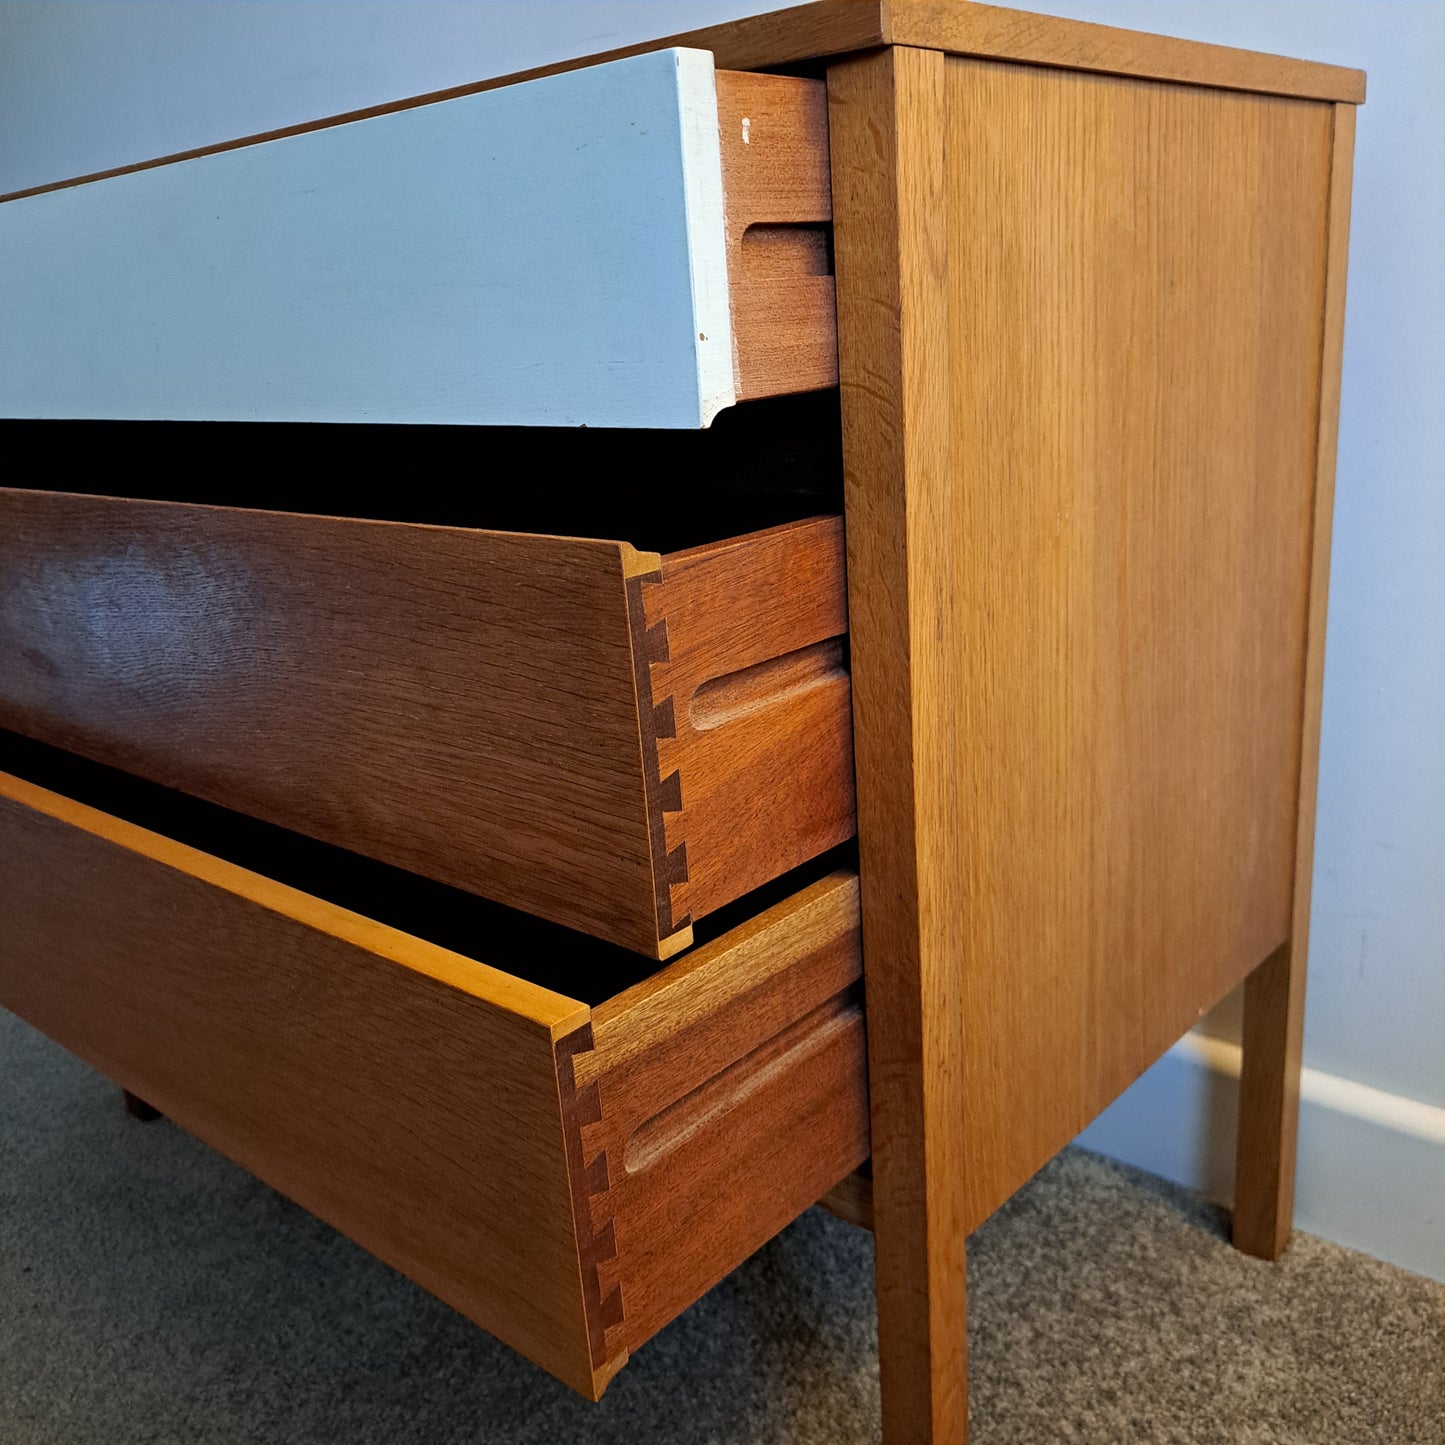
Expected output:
(773, 249)
(689, 1115)
(776, 679)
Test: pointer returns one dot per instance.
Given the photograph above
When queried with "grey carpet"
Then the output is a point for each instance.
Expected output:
(152, 1292)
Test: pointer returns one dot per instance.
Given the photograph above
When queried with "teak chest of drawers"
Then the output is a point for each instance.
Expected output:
(470, 852)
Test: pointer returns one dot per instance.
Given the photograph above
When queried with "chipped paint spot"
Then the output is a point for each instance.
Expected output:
(747, 126)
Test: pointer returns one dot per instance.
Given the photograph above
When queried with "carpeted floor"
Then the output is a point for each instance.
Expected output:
(152, 1292)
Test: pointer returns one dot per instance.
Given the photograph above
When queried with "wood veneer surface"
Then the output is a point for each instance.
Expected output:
(1274, 997)
(569, 1179)
(474, 706)
(1080, 329)
(1135, 290)
(284, 1030)
(906, 550)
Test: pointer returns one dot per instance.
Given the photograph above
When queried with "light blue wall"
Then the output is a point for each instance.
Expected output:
(89, 85)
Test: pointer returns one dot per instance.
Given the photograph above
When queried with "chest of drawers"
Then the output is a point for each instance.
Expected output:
(475, 862)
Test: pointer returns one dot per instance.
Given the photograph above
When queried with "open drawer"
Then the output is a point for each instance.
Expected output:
(618, 741)
(568, 1176)
(639, 243)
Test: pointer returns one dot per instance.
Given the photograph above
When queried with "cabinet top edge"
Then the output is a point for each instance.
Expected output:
(810, 34)
(994, 32)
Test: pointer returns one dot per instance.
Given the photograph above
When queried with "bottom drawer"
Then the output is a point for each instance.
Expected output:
(570, 1175)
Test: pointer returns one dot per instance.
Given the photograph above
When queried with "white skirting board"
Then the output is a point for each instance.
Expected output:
(550, 253)
(1371, 1171)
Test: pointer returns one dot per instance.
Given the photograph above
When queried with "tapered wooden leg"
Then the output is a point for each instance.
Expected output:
(886, 119)
(1269, 1105)
(137, 1107)
(1274, 994)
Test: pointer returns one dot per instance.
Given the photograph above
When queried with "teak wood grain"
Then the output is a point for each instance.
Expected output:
(887, 116)
(1090, 296)
(484, 708)
(777, 208)
(404, 1094)
(1080, 337)
(751, 708)
(1274, 993)
(733, 1057)
(803, 34)
(1135, 283)
(569, 1179)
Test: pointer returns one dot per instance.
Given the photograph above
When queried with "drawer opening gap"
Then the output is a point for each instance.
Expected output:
(761, 464)
(575, 964)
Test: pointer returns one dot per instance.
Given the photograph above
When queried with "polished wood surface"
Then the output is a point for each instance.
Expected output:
(777, 206)
(906, 551)
(570, 1179)
(750, 720)
(404, 1094)
(1274, 994)
(1135, 283)
(996, 32)
(460, 703)
(802, 34)
(1089, 298)
(1080, 337)
(745, 1055)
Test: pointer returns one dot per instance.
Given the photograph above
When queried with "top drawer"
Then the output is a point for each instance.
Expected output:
(640, 243)
(616, 740)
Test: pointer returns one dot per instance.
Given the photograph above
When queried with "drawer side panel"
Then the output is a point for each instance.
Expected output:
(751, 722)
(461, 704)
(417, 1117)
(730, 1094)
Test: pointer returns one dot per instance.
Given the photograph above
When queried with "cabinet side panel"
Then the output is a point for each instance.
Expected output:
(1135, 284)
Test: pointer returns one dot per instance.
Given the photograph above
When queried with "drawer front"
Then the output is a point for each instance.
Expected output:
(568, 1178)
(609, 739)
(639, 243)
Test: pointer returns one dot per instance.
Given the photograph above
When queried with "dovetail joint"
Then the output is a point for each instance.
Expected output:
(592, 1202)
(652, 654)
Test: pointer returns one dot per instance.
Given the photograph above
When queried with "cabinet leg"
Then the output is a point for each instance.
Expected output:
(1274, 994)
(922, 1338)
(137, 1107)
(887, 124)
(1269, 1104)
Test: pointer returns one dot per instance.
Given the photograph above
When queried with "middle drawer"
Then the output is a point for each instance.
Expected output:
(616, 740)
